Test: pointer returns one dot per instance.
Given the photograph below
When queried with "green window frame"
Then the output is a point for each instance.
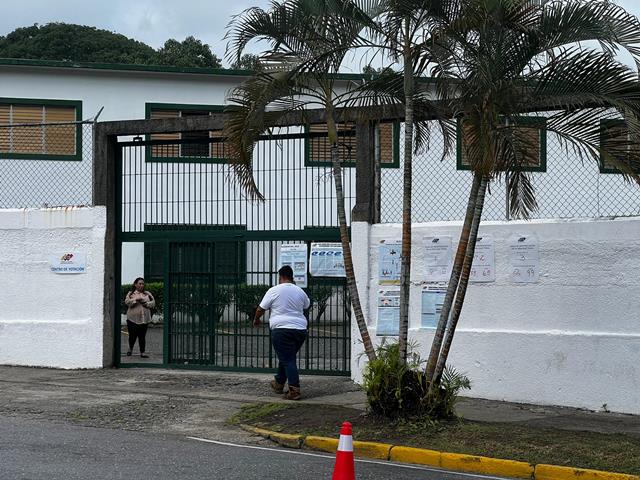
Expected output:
(44, 103)
(155, 252)
(395, 150)
(533, 121)
(151, 156)
(605, 126)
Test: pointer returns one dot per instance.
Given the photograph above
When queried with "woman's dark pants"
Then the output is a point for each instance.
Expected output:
(139, 332)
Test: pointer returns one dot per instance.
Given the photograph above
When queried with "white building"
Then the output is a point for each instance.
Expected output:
(569, 339)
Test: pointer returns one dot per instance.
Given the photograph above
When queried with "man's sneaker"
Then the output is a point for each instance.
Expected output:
(277, 387)
(292, 394)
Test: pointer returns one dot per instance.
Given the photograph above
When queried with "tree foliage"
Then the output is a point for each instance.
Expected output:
(248, 61)
(191, 52)
(81, 43)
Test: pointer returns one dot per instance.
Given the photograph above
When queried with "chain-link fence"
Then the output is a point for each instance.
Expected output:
(46, 164)
(566, 187)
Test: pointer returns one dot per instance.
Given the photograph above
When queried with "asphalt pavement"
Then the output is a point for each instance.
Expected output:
(41, 449)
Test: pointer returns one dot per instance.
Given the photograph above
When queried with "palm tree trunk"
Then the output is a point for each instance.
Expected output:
(453, 280)
(352, 287)
(405, 258)
(464, 282)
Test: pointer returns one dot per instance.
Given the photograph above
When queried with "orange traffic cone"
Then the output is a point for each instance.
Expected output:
(344, 468)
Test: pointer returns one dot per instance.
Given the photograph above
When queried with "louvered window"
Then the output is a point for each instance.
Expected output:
(616, 144)
(319, 149)
(529, 138)
(188, 146)
(39, 131)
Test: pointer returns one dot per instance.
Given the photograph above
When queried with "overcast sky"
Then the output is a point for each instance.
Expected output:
(150, 21)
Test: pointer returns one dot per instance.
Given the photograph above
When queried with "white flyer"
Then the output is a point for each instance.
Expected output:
(389, 262)
(388, 313)
(295, 255)
(432, 301)
(326, 260)
(437, 259)
(68, 262)
(524, 259)
(483, 268)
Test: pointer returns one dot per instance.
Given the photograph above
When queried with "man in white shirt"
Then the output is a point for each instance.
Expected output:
(288, 324)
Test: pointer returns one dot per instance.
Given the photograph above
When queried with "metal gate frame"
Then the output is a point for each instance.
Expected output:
(106, 183)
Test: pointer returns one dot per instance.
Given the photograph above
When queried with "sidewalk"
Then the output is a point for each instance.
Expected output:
(199, 403)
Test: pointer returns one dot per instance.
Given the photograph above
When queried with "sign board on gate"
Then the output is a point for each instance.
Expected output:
(326, 260)
(295, 255)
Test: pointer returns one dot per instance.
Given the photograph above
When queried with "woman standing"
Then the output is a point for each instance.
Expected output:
(140, 303)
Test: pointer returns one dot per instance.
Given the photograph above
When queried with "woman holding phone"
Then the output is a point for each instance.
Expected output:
(139, 303)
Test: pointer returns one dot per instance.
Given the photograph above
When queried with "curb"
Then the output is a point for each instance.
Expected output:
(449, 461)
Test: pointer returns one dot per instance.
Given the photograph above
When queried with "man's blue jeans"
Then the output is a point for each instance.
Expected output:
(286, 342)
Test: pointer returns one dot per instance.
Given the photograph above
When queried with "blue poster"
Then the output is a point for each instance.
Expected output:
(388, 313)
(389, 263)
(432, 301)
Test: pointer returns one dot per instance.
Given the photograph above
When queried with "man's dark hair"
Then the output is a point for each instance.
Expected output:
(286, 272)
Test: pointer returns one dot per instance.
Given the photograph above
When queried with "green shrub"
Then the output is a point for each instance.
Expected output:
(223, 296)
(248, 297)
(155, 288)
(395, 389)
(319, 296)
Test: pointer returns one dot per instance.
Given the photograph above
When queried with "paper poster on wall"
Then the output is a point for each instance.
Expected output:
(437, 259)
(389, 262)
(483, 268)
(524, 257)
(295, 255)
(326, 260)
(432, 301)
(68, 262)
(388, 313)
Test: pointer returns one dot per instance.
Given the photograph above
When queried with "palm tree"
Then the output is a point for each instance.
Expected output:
(509, 59)
(308, 41)
(404, 33)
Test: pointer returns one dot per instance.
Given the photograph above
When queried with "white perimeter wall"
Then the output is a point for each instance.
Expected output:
(47, 319)
(572, 339)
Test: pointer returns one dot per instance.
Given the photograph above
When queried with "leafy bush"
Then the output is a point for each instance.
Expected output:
(223, 295)
(319, 296)
(395, 389)
(155, 288)
(248, 297)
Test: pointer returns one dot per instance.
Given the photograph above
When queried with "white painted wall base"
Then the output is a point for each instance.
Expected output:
(48, 319)
(571, 339)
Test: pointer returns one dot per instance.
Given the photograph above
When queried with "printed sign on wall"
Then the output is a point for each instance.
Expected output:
(437, 259)
(389, 262)
(69, 262)
(524, 257)
(483, 268)
(388, 313)
(432, 301)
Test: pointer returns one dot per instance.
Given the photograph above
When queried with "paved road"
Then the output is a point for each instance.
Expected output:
(40, 449)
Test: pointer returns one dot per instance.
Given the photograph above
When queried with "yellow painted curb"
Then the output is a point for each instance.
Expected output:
(449, 461)
(486, 465)
(418, 456)
(287, 440)
(371, 450)
(321, 443)
(554, 472)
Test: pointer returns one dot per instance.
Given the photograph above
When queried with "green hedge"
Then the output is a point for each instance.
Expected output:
(247, 297)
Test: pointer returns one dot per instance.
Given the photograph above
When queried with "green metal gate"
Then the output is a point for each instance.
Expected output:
(217, 253)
